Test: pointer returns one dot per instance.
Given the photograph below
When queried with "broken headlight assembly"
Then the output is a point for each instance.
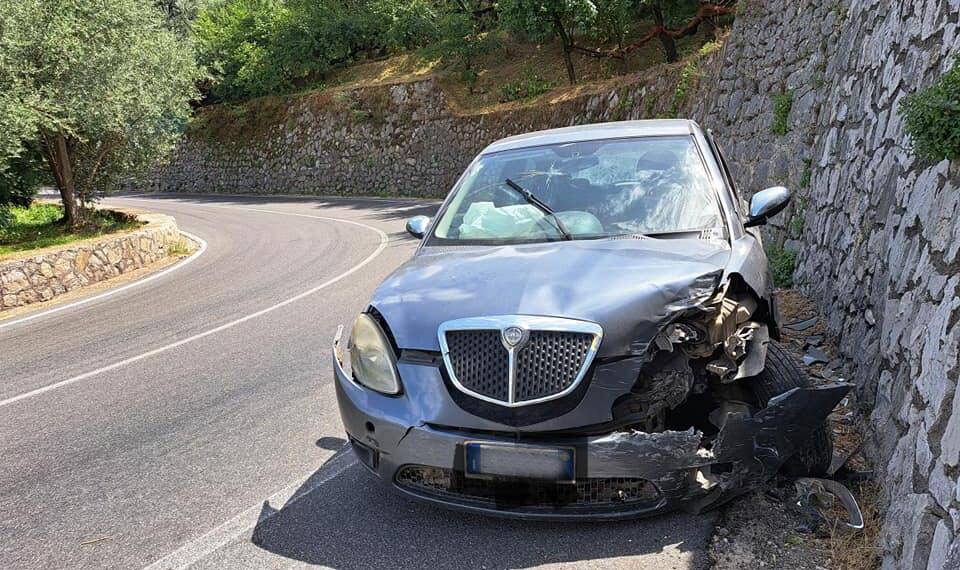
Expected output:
(372, 360)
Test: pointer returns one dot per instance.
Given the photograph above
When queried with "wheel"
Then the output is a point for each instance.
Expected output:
(780, 374)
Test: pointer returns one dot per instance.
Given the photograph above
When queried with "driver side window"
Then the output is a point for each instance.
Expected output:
(738, 198)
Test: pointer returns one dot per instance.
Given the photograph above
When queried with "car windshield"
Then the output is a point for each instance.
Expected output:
(644, 186)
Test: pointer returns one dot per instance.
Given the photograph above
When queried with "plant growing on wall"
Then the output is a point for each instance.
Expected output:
(782, 104)
(932, 117)
(99, 89)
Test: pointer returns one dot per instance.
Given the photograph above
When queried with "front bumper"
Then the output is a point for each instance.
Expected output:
(623, 474)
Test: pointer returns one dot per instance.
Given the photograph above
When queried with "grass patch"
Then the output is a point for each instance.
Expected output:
(39, 226)
(178, 248)
(782, 264)
(528, 87)
(782, 103)
(859, 550)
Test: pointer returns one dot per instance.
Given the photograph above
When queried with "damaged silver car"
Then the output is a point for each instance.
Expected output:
(587, 330)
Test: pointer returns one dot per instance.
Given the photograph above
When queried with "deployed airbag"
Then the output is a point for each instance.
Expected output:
(484, 220)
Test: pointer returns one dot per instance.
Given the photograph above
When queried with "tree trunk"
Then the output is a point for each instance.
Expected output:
(567, 50)
(58, 156)
(568, 60)
(666, 40)
(669, 47)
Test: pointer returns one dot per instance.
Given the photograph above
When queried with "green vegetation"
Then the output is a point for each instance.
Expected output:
(807, 174)
(260, 47)
(796, 222)
(782, 103)
(91, 94)
(782, 264)
(41, 225)
(525, 88)
(932, 117)
(178, 249)
(689, 75)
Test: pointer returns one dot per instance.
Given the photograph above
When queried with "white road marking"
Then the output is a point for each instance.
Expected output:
(137, 283)
(384, 240)
(197, 549)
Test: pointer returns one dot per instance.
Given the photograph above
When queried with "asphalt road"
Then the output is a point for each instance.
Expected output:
(191, 420)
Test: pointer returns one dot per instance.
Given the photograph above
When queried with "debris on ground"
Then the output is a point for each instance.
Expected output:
(802, 325)
(783, 526)
(815, 356)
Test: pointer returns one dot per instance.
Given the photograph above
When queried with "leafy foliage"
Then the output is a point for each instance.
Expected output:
(674, 13)
(258, 47)
(542, 19)
(783, 263)
(782, 103)
(615, 21)
(462, 41)
(236, 41)
(932, 117)
(19, 182)
(179, 14)
(526, 88)
(100, 88)
(410, 24)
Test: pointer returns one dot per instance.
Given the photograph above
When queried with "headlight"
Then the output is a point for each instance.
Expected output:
(371, 357)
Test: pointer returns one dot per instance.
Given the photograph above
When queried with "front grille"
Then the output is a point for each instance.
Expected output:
(449, 485)
(546, 363)
(480, 362)
(549, 363)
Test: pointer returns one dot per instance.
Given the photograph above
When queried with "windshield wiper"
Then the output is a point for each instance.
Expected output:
(540, 205)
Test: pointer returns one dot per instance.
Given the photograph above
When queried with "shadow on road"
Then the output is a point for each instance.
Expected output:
(350, 521)
(381, 209)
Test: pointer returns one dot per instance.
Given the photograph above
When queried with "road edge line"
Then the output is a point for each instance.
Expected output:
(384, 241)
(195, 550)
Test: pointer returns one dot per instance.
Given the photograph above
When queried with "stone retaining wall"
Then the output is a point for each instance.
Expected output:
(877, 229)
(29, 278)
(386, 140)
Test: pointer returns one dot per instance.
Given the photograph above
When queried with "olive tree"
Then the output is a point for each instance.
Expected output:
(101, 88)
(545, 18)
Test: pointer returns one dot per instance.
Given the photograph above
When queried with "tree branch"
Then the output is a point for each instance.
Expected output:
(706, 10)
(613, 54)
(107, 147)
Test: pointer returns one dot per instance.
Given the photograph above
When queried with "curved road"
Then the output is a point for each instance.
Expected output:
(191, 420)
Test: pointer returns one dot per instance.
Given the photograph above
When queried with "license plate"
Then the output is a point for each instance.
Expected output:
(487, 460)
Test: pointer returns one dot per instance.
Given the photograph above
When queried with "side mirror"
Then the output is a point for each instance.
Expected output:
(418, 225)
(765, 204)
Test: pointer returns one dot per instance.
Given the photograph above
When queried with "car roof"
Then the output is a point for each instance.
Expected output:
(596, 131)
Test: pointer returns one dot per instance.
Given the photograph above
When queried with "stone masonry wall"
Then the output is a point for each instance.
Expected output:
(44, 275)
(388, 140)
(881, 240)
(877, 230)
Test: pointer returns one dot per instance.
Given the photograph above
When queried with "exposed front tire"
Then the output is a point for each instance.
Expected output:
(782, 373)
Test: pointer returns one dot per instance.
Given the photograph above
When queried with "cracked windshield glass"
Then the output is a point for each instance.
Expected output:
(639, 186)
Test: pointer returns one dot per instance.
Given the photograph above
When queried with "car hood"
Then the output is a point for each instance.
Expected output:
(628, 286)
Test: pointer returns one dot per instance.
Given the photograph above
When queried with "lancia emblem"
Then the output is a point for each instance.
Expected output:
(512, 336)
